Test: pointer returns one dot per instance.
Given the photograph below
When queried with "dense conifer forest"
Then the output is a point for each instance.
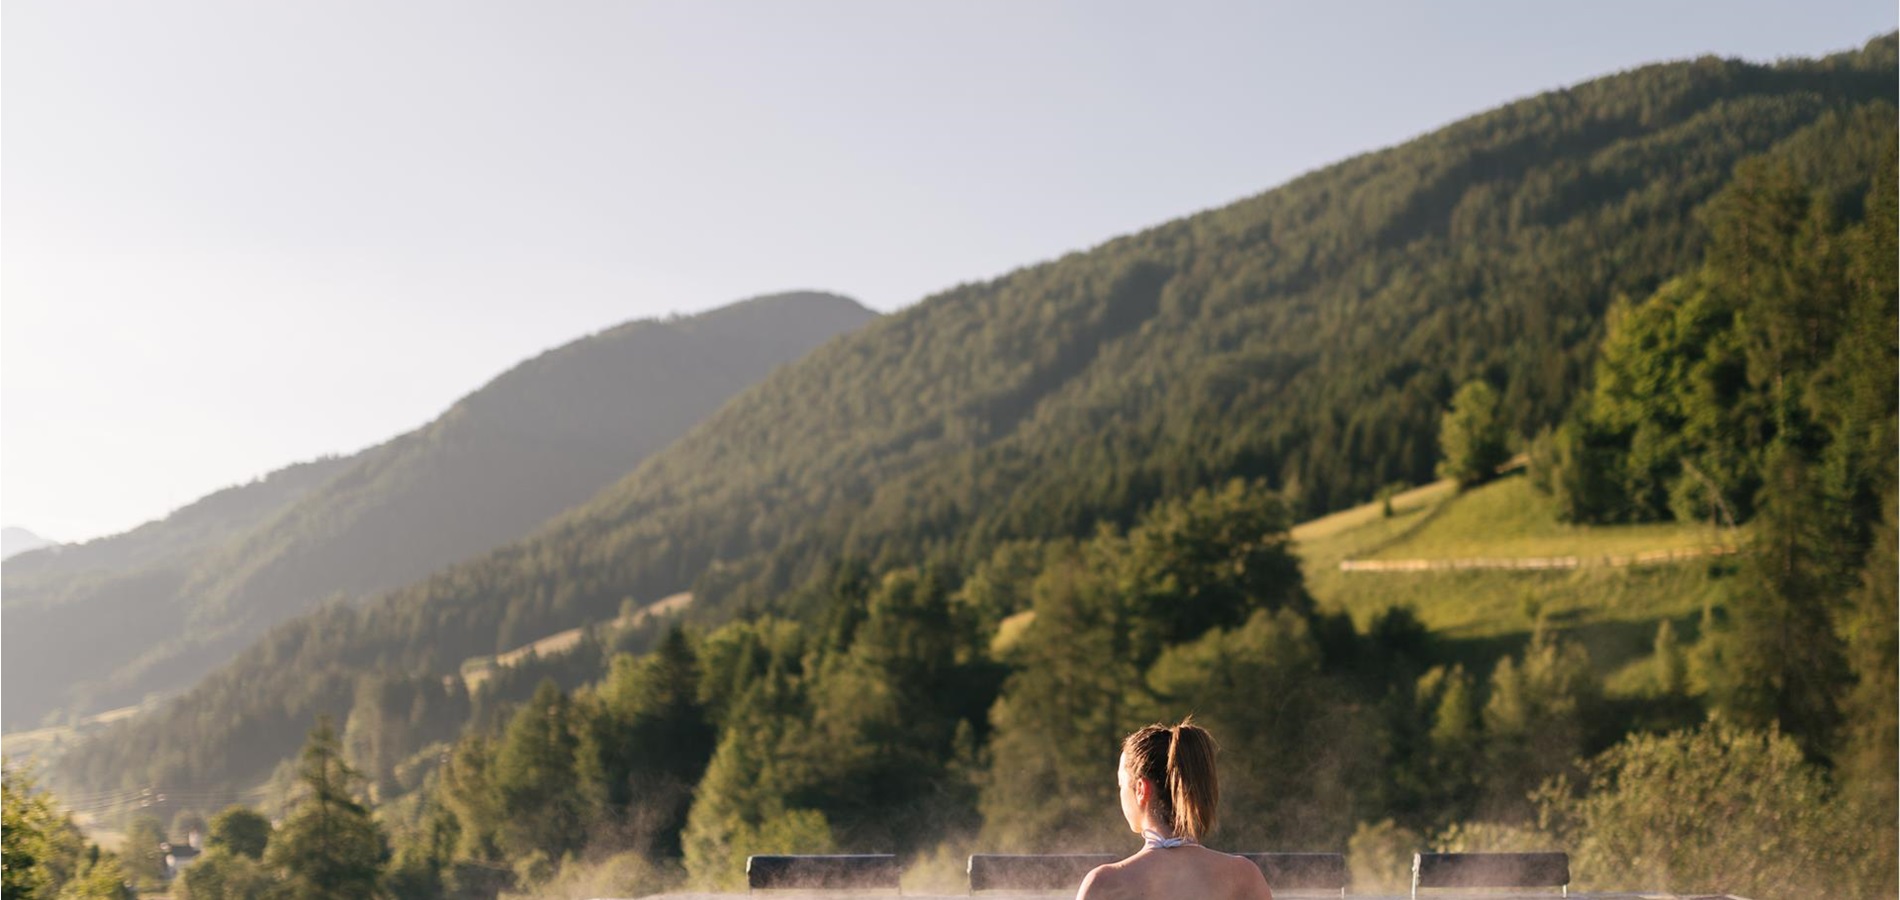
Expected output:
(941, 565)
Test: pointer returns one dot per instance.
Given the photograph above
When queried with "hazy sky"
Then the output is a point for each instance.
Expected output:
(238, 235)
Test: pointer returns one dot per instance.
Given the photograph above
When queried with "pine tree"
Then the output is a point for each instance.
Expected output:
(329, 848)
(1870, 626)
(645, 742)
(1536, 719)
(1782, 660)
(745, 802)
(535, 780)
(467, 792)
(1456, 744)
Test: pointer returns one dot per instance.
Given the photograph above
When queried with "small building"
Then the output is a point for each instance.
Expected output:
(178, 857)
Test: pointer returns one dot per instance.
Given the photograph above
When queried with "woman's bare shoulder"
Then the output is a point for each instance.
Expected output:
(1247, 875)
(1104, 882)
(1244, 877)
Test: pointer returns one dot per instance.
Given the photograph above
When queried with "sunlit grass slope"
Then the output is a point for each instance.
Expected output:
(1613, 611)
(1509, 518)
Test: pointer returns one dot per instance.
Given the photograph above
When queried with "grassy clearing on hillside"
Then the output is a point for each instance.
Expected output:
(28, 744)
(1404, 507)
(47, 741)
(1509, 518)
(1485, 615)
(475, 671)
(1489, 614)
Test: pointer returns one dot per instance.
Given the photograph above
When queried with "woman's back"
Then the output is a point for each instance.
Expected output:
(1190, 871)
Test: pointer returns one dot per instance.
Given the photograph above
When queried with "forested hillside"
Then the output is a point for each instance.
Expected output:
(106, 623)
(1307, 339)
(102, 602)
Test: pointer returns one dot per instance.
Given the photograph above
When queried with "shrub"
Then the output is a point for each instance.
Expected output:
(1713, 809)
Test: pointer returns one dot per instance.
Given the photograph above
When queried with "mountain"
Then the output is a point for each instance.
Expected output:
(52, 579)
(163, 609)
(70, 615)
(1309, 336)
(15, 541)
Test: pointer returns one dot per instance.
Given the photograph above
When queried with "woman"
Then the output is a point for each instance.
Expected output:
(1168, 792)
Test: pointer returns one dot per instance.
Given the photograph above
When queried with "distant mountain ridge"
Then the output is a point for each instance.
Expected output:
(15, 541)
(1309, 336)
(48, 579)
(171, 600)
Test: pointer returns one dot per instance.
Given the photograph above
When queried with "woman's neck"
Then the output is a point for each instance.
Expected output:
(1152, 840)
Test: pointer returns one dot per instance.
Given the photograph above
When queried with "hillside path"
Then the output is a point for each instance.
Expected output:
(1653, 557)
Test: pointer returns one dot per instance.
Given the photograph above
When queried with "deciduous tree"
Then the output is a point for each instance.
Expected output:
(1473, 438)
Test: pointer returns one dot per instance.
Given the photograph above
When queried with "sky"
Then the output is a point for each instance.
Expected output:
(238, 235)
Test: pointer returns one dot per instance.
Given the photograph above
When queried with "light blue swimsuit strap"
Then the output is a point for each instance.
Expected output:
(1153, 838)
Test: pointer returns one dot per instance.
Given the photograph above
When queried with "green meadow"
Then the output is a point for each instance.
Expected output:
(1482, 615)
